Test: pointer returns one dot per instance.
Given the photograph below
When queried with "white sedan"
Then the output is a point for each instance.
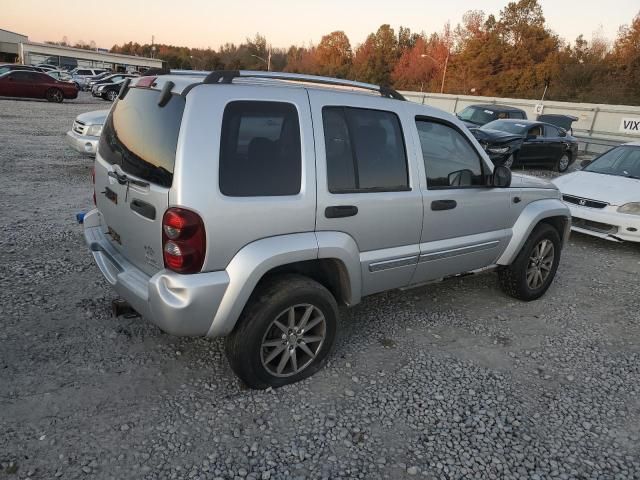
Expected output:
(604, 197)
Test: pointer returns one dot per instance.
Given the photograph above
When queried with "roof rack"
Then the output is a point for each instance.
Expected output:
(227, 76)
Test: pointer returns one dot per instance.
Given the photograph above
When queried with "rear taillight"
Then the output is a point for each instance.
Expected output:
(145, 82)
(93, 180)
(183, 240)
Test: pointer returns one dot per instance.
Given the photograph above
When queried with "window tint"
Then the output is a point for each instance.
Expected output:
(365, 150)
(21, 76)
(260, 153)
(518, 115)
(84, 72)
(449, 158)
(550, 131)
(141, 136)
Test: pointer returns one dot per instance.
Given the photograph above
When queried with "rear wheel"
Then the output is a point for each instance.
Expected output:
(54, 95)
(533, 270)
(284, 334)
(563, 163)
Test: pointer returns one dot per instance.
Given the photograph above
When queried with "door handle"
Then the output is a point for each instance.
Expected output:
(340, 211)
(443, 204)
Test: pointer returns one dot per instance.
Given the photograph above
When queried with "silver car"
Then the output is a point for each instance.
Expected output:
(251, 204)
(85, 131)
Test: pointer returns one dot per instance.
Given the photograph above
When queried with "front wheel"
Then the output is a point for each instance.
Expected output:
(54, 95)
(563, 163)
(533, 270)
(112, 95)
(284, 334)
(508, 162)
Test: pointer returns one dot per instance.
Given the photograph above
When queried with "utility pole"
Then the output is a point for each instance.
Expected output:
(444, 72)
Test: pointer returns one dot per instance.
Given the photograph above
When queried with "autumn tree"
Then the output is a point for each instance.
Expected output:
(333, 55)
(375, 59)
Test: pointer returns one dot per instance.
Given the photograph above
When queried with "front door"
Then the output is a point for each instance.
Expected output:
(533, 147)
(465, 223)
(368, 184)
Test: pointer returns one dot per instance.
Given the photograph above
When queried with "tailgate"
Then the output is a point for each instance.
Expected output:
(134, 172)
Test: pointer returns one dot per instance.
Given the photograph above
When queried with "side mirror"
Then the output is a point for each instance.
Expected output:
(501, 177)
(585, 163)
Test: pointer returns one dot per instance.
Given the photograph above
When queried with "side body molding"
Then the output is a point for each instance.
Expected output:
(528, 219)
(342, 247)
(249, 265)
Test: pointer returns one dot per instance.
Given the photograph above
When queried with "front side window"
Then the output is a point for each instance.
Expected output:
(260, 150)
(365, 150)
(450, 161)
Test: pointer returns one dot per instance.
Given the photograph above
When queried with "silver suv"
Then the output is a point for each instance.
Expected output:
(251, 204)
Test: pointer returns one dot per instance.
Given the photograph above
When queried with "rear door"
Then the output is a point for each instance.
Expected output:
(134, 171)
(554, 144)
(368, 183)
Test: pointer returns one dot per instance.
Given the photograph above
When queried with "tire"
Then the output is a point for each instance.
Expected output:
(256, 350)
(508, 162)
(563, 163)
(54, 95)
(516, 279)
(112, 95)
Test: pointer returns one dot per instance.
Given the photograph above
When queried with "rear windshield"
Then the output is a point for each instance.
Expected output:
(142, 137)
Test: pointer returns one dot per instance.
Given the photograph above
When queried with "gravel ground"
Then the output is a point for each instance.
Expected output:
(452, 380)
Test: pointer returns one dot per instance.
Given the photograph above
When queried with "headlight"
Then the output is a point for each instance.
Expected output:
(95, 130)
(100, 88)
(498, 149)
(630, 208)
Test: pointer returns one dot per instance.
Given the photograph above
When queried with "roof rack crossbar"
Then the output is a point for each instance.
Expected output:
(227, 76)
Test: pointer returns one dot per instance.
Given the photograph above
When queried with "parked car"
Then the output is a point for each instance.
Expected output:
(478, 115)
(113, 78)
(107, 91)
(27, 84)
(250, 209)
(527, 142)
(604, 197)
(81, 76)
(60, 75)
(8, 67)
(85, 131)
(43, 67)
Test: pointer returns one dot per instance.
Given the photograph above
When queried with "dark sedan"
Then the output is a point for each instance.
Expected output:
(22, 83)
(527, 142)
(477, 115)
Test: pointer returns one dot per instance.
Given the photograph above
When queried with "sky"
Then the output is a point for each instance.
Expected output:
(211, 23)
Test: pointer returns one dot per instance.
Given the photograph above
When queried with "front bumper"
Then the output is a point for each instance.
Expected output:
(605, 223)
(183, 305)
(82, 143)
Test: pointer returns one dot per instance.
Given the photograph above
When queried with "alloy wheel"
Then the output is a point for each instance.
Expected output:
(293, 340)
(540, 263)
(563, 164)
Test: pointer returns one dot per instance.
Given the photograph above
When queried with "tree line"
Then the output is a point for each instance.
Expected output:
(512, 55)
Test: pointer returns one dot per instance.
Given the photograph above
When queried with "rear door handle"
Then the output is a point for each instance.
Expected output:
(340, 211)
(443, 204)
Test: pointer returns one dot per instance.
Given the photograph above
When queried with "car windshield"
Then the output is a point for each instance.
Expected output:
(621, 161)
(506, 126)
(477, 115)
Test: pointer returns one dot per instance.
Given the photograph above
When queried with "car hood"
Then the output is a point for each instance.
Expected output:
(97, 117)
(489, 135)
(612, 189)
(519, 180)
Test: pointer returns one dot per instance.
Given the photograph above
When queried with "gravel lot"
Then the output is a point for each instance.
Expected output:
(452, 380)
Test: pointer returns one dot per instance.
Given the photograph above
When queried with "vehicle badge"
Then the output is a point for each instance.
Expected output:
(582, 202)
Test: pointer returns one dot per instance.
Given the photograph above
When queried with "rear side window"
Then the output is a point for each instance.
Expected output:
(142, 137)
(518, 115)
(365, 150)
(550, 131)
(260, 153)
(84, 72)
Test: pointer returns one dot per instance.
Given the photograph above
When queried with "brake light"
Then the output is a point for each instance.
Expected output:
(93, 180)
(145, 82)
(183, 240)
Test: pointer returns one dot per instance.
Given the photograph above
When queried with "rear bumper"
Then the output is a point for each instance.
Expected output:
(183, 305)
(605, 223)
(82, 143)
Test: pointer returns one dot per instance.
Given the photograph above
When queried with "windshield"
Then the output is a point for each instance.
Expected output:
(477, 115)
(142, 137)
(506, 126)
(621, 161)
